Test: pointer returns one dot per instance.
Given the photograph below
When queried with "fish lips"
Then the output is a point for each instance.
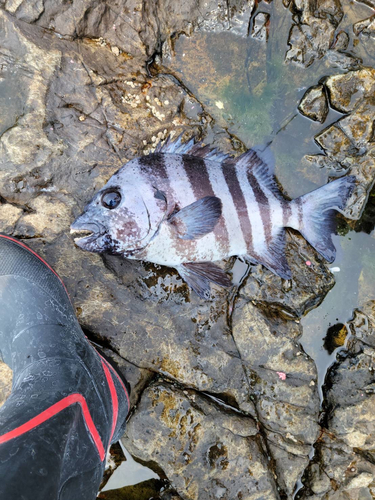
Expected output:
(87, 241)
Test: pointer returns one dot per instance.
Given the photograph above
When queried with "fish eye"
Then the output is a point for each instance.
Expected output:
(111, 199)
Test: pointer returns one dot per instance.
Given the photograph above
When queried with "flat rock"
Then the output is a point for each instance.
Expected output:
(334, 140)
(311, 281)
(314, 104)
(347, 90)
(284, 387)
(207, 452)
(359, 125)
(6, 377)
(365, 27)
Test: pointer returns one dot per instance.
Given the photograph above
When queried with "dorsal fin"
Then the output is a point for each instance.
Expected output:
(192, 148)
(260, 161)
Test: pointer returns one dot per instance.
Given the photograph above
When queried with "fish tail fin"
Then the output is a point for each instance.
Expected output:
(314, 214)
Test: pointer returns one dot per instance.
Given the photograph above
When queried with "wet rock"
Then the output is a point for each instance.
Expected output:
(363, 167)
(9, 215)
(314, 104)
(292, 298)
(205, 451)
(185, 339)
(343, 60)
(6, 377)
(344, 451)
(136, 27)
(313, 34)
(346, 91)
(85, 104)
(56, 175)
(334, 140)
(348, 143)
(359, 125)
(341, 41)
(260, 26)
(283, 382)
(365, 27)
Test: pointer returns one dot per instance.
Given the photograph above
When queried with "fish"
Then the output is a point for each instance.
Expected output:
(187, 206)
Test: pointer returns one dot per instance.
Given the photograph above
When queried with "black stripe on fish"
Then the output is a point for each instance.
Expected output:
(153, 164)
(238, 198)
(263, 204)
(153, 167)
(197, 172)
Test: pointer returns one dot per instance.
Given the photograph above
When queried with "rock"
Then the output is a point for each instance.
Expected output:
(328, 162)
(334, 140)
(363, 167)
(346, 91)
(82, 97)
(313, 34)
(359, 125)
(341, 42)
(314, 104)
(207, 452)
(260, 26)
(135, 27)
(348, 143)
(9, 215)
(6, 376)
(308, 287)
(365, 27)
(343, 60)
(283, 383)
(345, 448)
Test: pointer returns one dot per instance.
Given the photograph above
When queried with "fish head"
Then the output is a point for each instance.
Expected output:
(121, 219)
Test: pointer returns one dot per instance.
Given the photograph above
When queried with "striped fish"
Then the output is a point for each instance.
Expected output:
(187, 206)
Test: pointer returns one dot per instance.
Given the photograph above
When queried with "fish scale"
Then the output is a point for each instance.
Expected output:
(187, 206)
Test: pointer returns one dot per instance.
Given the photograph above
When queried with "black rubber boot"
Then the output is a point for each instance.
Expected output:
(67, 402)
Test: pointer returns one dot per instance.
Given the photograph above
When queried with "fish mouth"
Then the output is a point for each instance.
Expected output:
(85, 232)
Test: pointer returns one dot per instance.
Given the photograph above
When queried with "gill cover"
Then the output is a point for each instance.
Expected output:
(123, 216)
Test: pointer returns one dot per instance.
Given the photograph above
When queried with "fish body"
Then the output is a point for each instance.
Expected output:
(187, 206)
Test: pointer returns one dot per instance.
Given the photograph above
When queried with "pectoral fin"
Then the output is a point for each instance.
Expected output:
(197, 219)
(198, 276)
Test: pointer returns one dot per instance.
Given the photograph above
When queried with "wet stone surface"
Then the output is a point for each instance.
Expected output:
(343, 466)
(208, 452)
(225, 401)
(314, 104)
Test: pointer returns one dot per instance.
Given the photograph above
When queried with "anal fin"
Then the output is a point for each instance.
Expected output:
(274, 257)
(198, 276)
